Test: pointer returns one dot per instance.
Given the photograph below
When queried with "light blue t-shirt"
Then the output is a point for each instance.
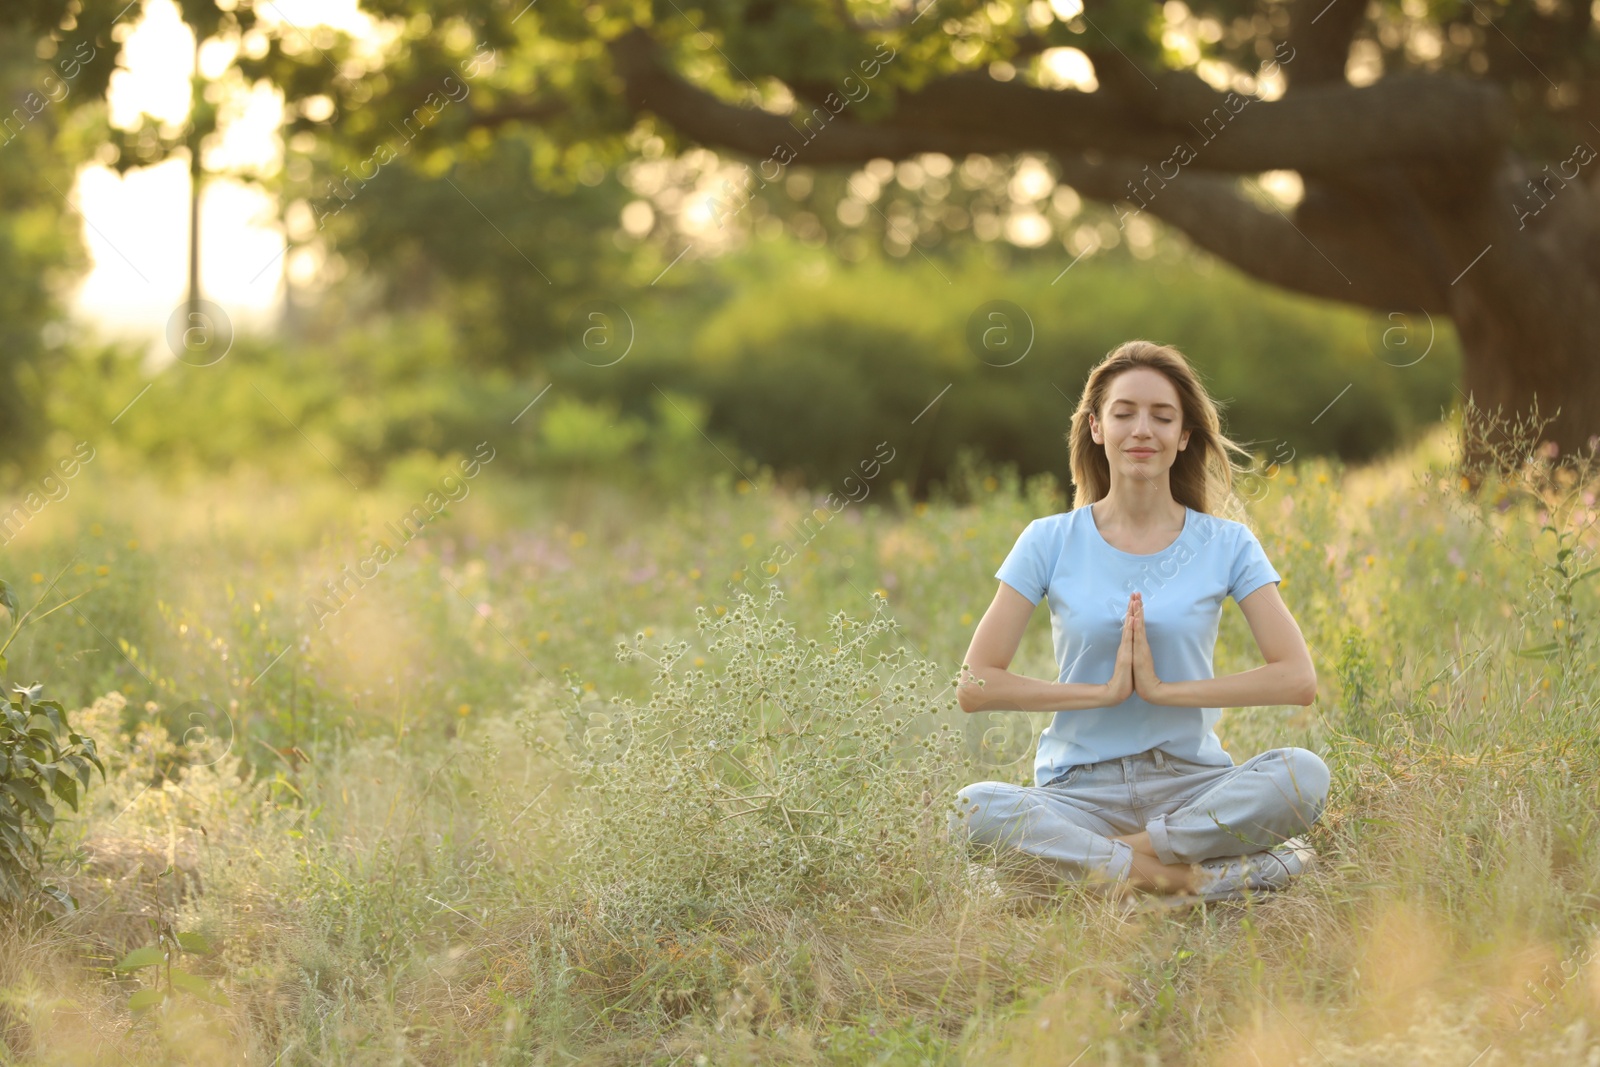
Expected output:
(1088, 583)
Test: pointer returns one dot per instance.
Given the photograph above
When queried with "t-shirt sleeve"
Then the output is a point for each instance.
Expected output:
(1024, 568)
(1251, 569)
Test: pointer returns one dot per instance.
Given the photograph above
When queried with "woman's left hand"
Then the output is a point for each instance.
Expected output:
(1145, 682)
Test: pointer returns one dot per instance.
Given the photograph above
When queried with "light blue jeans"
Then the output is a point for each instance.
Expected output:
(1193, 811)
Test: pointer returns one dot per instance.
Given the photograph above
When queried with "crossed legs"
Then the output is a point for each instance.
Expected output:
(1255, 805)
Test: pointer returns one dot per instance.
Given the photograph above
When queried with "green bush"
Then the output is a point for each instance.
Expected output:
(811, 377)
(807, 377)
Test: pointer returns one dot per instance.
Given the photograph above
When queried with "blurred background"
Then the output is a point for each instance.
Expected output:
(385, 278)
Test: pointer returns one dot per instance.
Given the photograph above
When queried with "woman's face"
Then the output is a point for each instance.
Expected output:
(1141, 424)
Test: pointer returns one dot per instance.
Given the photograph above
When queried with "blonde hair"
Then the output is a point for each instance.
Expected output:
(1201, 476)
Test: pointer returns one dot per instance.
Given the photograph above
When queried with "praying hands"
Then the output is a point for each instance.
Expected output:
(1135, 670)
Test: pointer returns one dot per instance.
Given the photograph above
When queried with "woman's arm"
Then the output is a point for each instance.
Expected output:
(994, 644)
(1288, 676)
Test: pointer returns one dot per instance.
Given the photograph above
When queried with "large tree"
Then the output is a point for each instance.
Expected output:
(1456, 180)
(1444, 147)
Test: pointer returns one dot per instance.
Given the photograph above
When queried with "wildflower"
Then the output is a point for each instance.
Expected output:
(133, 546)
(95, 530)
(1322, 477)
(744, 486)
(966, 618)
(542, 636)
(990, 484)
(1371, 559)
(747, 540)
(464, 710)
(37, 578)
(694, 574)
(578, 539)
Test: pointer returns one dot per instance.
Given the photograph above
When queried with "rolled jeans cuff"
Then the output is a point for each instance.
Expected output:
(1157, 829)
(1120, 867)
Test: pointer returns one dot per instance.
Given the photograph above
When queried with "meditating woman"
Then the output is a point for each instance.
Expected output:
(1133, 789)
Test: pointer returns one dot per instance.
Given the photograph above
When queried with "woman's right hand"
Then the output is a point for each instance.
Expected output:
(1121, 684)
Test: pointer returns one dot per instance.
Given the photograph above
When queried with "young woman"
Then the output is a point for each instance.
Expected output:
(1133, 789)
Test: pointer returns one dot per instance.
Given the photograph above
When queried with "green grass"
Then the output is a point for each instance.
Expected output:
(544, 791)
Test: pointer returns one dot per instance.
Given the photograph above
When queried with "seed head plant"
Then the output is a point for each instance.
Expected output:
(797, 772)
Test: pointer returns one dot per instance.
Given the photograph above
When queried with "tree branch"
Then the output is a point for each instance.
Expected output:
(1329, 254)
(1320, 32)
(1320, 127)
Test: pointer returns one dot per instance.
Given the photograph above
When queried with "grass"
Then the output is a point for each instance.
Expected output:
(545, 791)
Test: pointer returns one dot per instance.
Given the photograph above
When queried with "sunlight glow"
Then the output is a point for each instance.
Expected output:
(137, 226)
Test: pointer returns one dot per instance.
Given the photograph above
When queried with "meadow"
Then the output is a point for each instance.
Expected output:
(544, 788)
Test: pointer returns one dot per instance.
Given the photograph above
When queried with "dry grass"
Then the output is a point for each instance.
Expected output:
(422, 885)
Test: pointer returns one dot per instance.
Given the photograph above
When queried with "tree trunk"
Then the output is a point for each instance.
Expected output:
(1528, 311)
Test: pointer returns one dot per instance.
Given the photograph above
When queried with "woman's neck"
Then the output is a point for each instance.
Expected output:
(1147, 507)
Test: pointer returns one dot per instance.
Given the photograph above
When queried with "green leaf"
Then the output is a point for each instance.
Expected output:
(8, 600)
(145, 999)
(148, 956)
(60, 896)
(194, 985)
(1540, 651)
(33, 799)
(67, 789)
(195, 943)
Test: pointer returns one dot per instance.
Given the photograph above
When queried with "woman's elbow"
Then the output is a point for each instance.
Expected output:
(970, 694)
(1308, 688)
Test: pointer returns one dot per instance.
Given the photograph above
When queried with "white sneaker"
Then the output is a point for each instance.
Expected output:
(1232, 877)
(981, 883)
